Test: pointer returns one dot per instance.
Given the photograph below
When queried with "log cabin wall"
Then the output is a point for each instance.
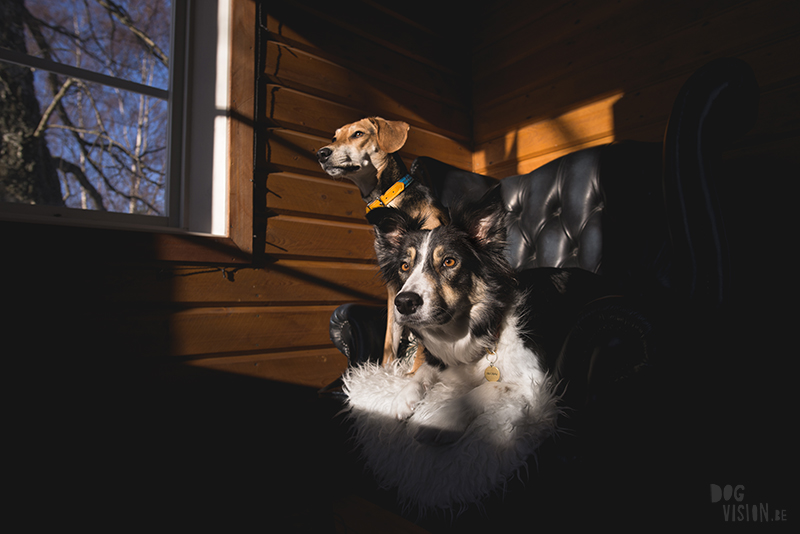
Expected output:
(513, 87)
(556, 76)
(319, 66)
(501, 91)
(552, 77)
(265, 313)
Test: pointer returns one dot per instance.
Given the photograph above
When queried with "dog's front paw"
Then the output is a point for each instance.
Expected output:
(404, 403)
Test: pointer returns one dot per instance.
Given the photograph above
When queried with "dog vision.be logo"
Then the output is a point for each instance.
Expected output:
(734, 507)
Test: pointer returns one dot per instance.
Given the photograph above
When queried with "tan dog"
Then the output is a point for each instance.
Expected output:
(365, 152)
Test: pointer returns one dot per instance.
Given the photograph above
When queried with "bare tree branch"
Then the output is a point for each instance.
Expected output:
(67, 166)
(52, 106)
(122, 15)
(126, 196)
(112, 148)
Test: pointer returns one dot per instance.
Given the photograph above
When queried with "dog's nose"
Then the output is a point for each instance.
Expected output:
(407, 302)
(323, 154)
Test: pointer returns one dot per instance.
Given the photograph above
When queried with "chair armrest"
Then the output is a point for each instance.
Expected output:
(608, 349)
(358, 331)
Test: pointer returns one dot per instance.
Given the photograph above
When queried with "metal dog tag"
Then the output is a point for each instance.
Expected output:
(492, 373)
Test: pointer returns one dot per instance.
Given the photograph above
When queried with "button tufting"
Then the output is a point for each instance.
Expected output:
(554, 203)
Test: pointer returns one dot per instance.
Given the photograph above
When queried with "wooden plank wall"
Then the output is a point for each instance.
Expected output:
(320, 66)
(513, 87)
(180, 305)
(554, 76)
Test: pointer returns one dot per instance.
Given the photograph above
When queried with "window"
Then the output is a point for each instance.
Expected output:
(110, 112)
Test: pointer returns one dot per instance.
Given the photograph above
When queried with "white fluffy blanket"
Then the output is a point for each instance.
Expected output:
(429, 477)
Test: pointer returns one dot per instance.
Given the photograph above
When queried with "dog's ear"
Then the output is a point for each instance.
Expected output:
(485, 221)
(390, 225)
(376, 216)
(391, 135)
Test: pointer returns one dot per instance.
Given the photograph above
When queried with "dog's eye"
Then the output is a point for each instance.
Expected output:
(449, 262)
(358, 134)
(405, 266)
(333, 140)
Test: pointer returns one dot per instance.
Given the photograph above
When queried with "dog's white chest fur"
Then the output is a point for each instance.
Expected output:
(467, 356)
(520, 377)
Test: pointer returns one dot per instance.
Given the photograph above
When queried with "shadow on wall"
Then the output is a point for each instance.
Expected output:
(534, 144)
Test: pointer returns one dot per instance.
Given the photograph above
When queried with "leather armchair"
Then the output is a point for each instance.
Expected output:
(644, 216)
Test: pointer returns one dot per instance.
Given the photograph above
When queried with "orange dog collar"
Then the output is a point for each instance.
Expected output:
(392, 193)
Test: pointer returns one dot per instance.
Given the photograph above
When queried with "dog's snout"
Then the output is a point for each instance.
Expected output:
(323, 154)
(407, 302)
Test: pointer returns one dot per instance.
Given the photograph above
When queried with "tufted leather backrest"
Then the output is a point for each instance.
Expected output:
(598, 209)
(555, 214)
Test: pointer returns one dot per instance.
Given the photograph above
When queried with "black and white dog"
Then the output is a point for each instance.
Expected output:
(487, 330)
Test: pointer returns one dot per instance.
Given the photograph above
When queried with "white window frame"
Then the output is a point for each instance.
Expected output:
(197, 199)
